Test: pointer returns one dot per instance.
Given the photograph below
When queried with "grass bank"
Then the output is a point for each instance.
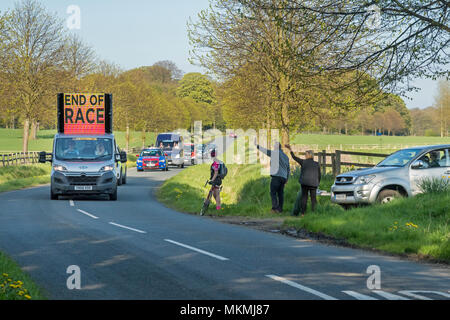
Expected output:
(15, 284)
(416, 226)
(18, 177)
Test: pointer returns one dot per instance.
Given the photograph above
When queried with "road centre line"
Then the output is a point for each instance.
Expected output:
(301, 287)
(125, 227)
(87, 213)
(197, 250)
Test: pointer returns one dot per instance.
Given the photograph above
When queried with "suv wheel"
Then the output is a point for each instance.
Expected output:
(53, 196)
(386, 196)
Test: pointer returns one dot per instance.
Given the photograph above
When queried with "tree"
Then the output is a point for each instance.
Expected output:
(393, 121)
(32, 51)
(234, 35)
(393, 40)
(175, 73)
(198, 87)
(79, 60)
(442, 103)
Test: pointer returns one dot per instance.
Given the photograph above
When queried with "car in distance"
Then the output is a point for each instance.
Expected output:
(151, 159)
(189, 154)
(399, 175)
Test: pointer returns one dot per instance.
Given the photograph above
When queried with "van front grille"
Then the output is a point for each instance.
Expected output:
(83, 181)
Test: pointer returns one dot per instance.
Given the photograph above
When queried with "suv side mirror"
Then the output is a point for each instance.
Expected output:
(418, 164)
(123, 156)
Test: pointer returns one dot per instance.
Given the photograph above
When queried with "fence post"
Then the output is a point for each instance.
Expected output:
(319, 159)
(324, 162)
(338, 162)
(333, 164)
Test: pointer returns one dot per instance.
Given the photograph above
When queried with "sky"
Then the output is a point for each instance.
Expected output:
(138, 33)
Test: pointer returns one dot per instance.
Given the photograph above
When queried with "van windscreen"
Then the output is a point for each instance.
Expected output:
(83, 149)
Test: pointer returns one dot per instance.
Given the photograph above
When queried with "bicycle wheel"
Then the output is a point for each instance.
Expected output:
(205, 207)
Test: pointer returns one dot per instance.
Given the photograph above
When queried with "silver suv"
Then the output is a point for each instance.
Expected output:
(398, 175)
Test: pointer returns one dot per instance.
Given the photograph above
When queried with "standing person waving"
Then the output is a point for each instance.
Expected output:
(309, 178)
(279, 173)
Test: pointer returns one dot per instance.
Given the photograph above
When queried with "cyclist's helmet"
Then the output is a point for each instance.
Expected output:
(213, 153)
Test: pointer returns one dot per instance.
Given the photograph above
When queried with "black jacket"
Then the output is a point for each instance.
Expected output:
(310, 173)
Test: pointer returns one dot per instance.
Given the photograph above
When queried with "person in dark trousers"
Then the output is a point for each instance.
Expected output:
(279, 172)
(309, 178)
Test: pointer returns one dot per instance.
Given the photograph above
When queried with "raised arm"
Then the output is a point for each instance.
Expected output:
(300, 161)
(263, 150)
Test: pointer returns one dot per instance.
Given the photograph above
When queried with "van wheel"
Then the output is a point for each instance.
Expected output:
(119, 181)
(386, 196)
(113, 196)
(124, 178)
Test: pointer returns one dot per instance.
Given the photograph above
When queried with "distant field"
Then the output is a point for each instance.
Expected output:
(11, 140)
(347, 142)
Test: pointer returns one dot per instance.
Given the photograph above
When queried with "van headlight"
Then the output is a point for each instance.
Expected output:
(365, 179)
(107, 168)
(58, 167)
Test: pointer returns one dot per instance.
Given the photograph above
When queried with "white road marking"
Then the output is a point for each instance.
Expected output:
(197, 250)
(389, 296)
(125, 227)
(87, 213)
(301, 287)
(359, 296)
(414, 294)
(71, 203)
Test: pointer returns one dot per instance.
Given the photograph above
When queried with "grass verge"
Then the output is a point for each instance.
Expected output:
(415, 226)
(18, 177)
(15, 284)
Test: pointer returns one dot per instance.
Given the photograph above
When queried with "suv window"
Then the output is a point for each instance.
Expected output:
(436, 159)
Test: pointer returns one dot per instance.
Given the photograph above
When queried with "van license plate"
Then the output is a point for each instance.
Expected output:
(341, 197)
(83, 188)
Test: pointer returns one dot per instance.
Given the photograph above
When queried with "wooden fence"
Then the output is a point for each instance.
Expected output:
(19, 158)
(336, 161)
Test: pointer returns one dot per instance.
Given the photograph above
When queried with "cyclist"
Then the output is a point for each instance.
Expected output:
(215, 179)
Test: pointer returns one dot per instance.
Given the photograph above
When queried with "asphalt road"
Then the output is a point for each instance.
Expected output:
(135, 248)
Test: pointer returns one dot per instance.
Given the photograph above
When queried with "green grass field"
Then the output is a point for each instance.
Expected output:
(323, 141)
(11, 140)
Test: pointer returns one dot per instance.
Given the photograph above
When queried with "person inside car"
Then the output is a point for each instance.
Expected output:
(71, 150)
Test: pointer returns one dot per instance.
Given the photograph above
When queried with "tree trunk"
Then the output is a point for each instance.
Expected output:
(127, 138)
(26, 128)
(143, 138)
(33, 130)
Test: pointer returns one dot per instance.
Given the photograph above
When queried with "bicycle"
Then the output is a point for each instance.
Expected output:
(207, 201)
